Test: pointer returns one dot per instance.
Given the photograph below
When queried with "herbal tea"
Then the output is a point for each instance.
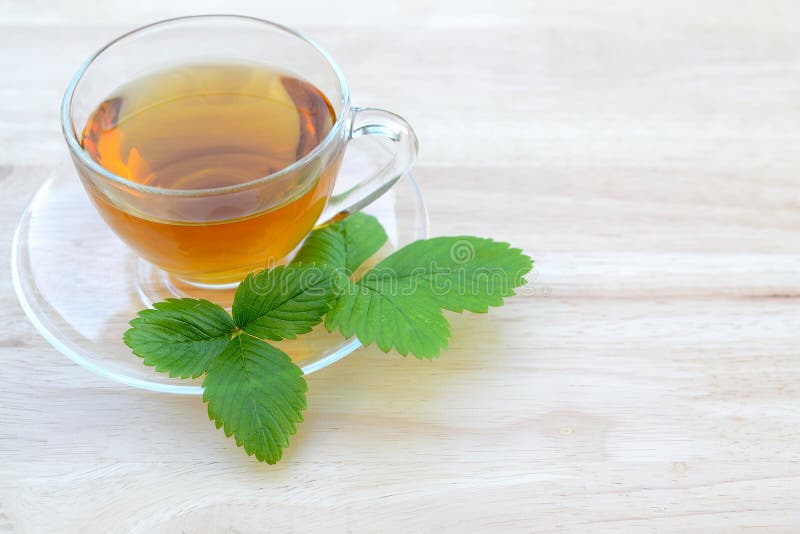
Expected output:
(208, 126)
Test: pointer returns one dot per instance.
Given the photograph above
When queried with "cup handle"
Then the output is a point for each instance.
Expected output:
(371, 121)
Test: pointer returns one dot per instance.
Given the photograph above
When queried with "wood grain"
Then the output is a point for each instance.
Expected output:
(646, 154)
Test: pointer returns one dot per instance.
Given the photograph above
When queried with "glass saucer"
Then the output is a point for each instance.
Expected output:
(80, 285)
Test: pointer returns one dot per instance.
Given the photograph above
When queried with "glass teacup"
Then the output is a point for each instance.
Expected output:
(190, 215)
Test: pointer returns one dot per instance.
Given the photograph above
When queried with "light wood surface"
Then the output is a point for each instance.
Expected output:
(645, 153)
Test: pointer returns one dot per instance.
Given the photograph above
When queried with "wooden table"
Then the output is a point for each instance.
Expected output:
(645, 153)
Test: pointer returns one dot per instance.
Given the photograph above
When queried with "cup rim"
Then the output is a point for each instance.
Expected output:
(77, 150)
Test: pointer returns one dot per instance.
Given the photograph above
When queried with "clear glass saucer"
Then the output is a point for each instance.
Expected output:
(80, 285)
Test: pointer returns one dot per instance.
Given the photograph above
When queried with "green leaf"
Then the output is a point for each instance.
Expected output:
(180, 336)
(398, 303)
(460, 273)
(283, 302)
(343, 245)
(253, 390)
(409, 322)
(255, 393)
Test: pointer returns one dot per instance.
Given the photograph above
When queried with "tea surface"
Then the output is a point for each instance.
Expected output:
(204, 126)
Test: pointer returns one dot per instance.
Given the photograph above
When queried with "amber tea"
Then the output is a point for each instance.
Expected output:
(208, 126)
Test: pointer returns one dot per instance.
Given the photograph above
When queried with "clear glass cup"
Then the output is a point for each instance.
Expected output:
(228, 38)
